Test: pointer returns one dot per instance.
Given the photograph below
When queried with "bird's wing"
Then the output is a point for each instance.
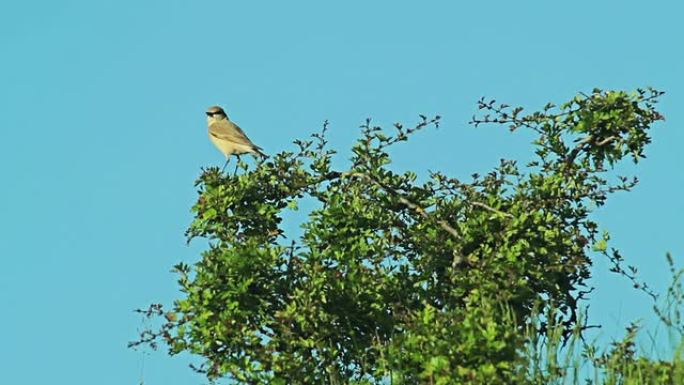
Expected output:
(229, 131)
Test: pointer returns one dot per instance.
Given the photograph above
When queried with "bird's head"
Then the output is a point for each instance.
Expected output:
(215, 113)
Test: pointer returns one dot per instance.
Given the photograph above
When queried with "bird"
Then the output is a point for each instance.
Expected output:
(228, 137)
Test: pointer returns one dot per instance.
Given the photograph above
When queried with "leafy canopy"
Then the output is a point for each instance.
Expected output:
(396, 279)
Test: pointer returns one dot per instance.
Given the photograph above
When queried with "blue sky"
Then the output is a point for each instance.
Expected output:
(102, 134)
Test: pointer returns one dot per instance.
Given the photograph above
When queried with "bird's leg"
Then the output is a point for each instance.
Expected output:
(226, 164)
(236, 164)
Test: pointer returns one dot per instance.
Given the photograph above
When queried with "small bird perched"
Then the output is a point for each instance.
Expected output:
(228, 137)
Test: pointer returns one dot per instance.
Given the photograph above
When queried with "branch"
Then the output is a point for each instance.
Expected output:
(492, 209)
(419, 210)
(584, 143)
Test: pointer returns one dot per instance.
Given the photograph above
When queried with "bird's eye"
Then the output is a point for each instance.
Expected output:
(210, 113)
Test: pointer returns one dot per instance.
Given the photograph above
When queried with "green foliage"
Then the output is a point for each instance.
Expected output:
(397, 280)
(554, 360)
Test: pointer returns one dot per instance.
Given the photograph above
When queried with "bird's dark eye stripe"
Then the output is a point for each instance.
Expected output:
(211, 113)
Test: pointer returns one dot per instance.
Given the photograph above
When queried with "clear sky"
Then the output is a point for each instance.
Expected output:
(102, 134)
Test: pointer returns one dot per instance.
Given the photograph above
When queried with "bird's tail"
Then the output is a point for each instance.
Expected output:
(259, 151)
